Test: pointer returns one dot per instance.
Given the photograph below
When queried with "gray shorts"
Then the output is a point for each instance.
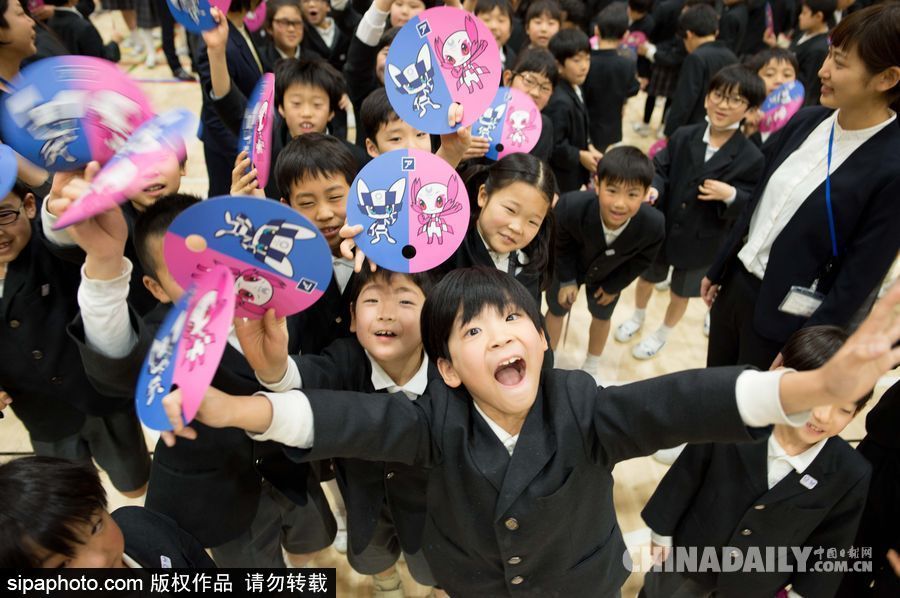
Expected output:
(598, 312)
(116, 442)
(384, 550)
(279, 522)
(685, 283)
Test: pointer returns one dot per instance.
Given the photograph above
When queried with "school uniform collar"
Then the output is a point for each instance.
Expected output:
(708, 132)
(498, 257)
(615, 232)
(343, 271)
(800, 462)
(283, 55)
(130, 562)
(70, 9)
(506, 439)
(841, 134)
(416, 385)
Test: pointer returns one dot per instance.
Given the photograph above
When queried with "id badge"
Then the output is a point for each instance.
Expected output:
(801, 301)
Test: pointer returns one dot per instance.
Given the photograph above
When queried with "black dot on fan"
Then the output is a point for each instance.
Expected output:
(409, 252)
(499, 147)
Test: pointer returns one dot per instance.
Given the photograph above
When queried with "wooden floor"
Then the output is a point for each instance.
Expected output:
(635, 479)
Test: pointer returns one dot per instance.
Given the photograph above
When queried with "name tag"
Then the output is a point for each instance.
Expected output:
(808, 482)
(45, 290)
(165, 562)
(610, 252)
(801, 301)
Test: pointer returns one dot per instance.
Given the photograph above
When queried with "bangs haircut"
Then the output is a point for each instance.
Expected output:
(537, 60)
(313, 155)
(44, 500)
(809, 348)
(312, 72)
(741, 80)
(486, 6)
(461, 296)
(539, 8)
(154, 222)
(568, 43)
(875, 34)
(625, 164)
(426, 280)
(762, 58)
(375, 112)
(272, 8)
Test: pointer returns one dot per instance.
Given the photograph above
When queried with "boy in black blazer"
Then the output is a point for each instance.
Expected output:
(574, 157)
(326, 36)
(611, 80)
(705, 58)
(799, 487)
(605, 239)
(703, 179)
(55, 516)
(814, 20)
(733, 24)
(640, 19)
(78, 33)
(520, 486)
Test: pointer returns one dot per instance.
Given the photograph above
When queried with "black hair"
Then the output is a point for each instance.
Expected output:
(625, 164)
(701, 20)
(4, 24)
(540, 7)
(826, 7)
(153, 223)
(376, 111)
(520, 168)
(756, 62)
(242, 5)
(272, 7)
(314, 72)
(483, 6)
(809, 348)
(642, 6)
(44, 499)
(575, 12)
(612, 22)
(568, 43)
(537, 60)
(737, 78)
(386, 39)
(875, 33)
(462, 295)
(313, 155)
(426, 280)
(55, 3)
(20, 189)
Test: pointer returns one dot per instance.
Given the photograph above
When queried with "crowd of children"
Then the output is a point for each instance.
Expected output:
(428, 403)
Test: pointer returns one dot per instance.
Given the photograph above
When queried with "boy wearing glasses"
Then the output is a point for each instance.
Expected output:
(41, 375)
(535, 74)
(703, 178)
(698, 27)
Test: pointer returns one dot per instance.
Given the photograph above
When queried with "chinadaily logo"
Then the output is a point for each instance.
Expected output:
(754, 559)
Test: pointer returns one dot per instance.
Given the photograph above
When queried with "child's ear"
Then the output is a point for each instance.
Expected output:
(482, 197)
(330, 116)
(30, 205)
(448, 373)
(353, 317)
(507, 77)
(156, 290)
(371, 148)
(281, 111)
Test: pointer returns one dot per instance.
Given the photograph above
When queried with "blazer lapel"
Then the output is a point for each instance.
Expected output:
(536, 445)
(721, 158)
(244, 50)
(754, 456)
(488, 453)
(799, 483)
(16, 274)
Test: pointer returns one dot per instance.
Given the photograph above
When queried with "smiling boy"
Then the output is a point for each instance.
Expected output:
(520, 485)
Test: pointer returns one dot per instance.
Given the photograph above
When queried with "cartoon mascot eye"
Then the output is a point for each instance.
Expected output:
(422, 204)
(450, 59)
(465, 48)
(440, 201)
(251, 277)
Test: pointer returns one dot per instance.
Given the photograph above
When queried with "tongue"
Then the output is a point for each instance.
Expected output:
(508, 376)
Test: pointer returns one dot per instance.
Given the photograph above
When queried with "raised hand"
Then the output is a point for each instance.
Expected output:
(264, 343)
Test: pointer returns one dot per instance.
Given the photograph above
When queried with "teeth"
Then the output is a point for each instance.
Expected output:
(509, 362)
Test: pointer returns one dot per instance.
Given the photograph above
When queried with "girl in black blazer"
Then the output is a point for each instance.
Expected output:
(798, 487)
(799, 244)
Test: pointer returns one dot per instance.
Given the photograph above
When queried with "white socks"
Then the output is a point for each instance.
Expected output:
(638, 315)
(591, 363)
(662, 333)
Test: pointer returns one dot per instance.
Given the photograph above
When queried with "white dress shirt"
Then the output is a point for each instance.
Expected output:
(711, 151)
(506, 439)
(371, 26)
(792, 184)
(501, 260)
(343, 270)
(327, 31)
(611, 234)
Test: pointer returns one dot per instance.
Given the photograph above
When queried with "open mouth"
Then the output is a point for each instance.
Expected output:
(510, 372)
(813, 429)
(154, 188)
(307, 127)
(329, 231)
(385, 334)
(5, 245)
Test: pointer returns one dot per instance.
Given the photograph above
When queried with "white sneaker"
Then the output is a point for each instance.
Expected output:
(668, 456)
(627, 329)
(150, 61)
(706, 325)
(648, 347)
(340, 541)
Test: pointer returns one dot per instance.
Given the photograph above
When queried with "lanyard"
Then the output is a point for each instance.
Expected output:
(831, 229)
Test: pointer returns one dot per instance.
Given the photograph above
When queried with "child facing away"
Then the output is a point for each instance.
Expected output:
(705, 57)
(55, 516)
(78, 34)
(607, 262)
(41, 376)
(802, 487)
(704, 177)
(385, 502)
(814, 21)
(733, 24)
(520, 483)
(574, 156)
(611, 80)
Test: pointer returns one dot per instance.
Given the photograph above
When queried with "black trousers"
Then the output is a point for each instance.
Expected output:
(218, 168)
(732, 338)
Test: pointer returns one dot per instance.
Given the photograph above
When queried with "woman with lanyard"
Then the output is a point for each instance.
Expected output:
(17, 43)
(245, 68)
(823, 226)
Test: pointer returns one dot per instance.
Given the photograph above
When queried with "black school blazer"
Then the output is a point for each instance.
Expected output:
(713, 492)
(540, 523)
(695, 229)
(571, 134)
(581, 251)
(864, 191)
(155, 541)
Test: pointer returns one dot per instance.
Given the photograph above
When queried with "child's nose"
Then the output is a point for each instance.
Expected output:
(324, 214)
